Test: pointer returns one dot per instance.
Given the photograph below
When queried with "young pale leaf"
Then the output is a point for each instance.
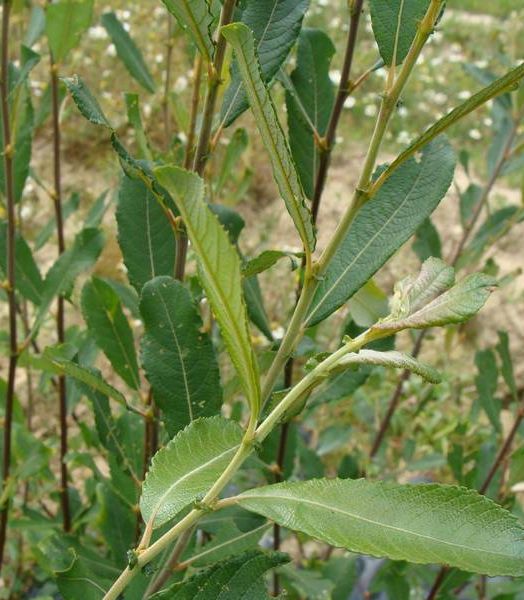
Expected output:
(86, 103)
(28, 279)
(105, 319)
(383, 224)
(309, 99)
(239, 578)
(127, 51)
(424, 523)
(395, 23)
(456, 305)
(187, 466)
(271, 132)
(179, 360)
(275, 25)
(145, 235)
(78, 258)
(397, 360)
(194, 16)
(66, 21)
(219, 271)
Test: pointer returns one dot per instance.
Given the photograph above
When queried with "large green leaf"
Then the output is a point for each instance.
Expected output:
(425, 523)
(194, 16)
(383, 225)
(127, 51)
(27, 276)
(395, 23)
(105, 319)
(189, 465)
(178, 358)
(275, 25)
(239, 578)
(309, 100)
(66, 21)
(77, 259)
(219, 270)
(271, 132)
(145, 235)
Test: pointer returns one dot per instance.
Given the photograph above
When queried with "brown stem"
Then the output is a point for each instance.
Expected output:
(10, 288)
(342, 94)
(60, 317)
(195, 101)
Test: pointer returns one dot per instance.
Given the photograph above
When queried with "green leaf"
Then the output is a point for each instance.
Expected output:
(106, 321)
(229, 164)
(116, 522)
(275, 25)
(469, 200)
(145, 235)
(241, 38)
(500, 86)
(66, 21)
(397, 360)
(267, 259)
(219, 272)
(309, 100)
(395, 23)
(86, 103)
(77, 259)
(239, 578)
(255, 305)
(27, 276)
(127, 51)
(55, 363)
(427, 241)
(432, 300)
(22, 120)
(68, 208)
(383, 224)
(507, 365)
(228, 541)
(194, 16)
(179, 360)
(424, 523)
(486, 384)
(135, 120)
(187, 466)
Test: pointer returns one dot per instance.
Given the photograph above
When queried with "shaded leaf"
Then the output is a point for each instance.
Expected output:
(238, 578)
(178, 358)
(194, 16)
(145, 235)
(395, 23)
(309, 100)
(507, 364)
(187, 466)
(424, 523)
(267, 259)
(28, 280)
(127, 51)
(65, 23)
(427, 241)
(241, 38)
(486, 383)
(383, 224)
(68, 208)
(106, 321)
(275, 25)
(219, 272)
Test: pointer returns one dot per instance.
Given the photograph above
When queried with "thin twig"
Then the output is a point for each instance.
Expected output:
(10, 288)
(195, 101)
(60, 316)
